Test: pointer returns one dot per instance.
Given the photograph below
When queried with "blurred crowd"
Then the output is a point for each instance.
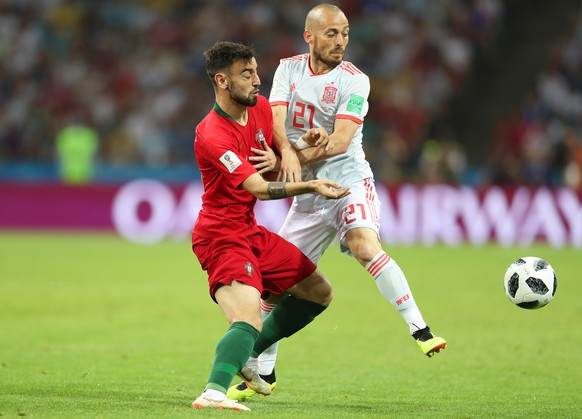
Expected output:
(541, 142)
(133, 72)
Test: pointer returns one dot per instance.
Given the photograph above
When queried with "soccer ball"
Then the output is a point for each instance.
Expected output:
(530, 282)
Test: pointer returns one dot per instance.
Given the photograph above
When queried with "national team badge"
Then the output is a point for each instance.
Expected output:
(329, 94)
(249, 268)
(260, 137)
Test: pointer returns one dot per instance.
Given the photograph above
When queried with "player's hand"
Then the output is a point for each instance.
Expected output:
(290, 170)
(329, 189)
(318, 137)
(264, 160)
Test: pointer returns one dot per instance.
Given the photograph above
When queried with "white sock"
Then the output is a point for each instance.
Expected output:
(269, 356)
(253, 363)
(214, 394)
(393, 285)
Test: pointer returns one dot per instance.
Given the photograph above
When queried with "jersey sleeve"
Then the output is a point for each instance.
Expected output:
(222, 153)
(354, 98)
(281, 87)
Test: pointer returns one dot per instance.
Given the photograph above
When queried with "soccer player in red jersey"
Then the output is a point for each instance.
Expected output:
(245, 261)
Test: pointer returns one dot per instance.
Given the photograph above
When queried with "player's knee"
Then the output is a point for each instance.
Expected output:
(324, 294)
(321, 289)
(364, 251)
(315, 288)
(275, 298)
(257, 323)
(363, 244)
(254, 320)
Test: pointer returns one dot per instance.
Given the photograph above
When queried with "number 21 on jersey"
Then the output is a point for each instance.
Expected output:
(299, 114)
(354, 212)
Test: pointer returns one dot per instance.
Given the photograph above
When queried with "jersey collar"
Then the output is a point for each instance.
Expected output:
(312, 73)
(219, 111)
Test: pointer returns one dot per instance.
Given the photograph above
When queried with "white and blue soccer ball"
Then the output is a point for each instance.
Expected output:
(530, 282)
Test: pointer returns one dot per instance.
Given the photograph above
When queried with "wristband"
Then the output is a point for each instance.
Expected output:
(301, 144)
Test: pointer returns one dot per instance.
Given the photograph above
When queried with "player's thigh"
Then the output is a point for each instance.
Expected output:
(240, 302)
(282, 264)
(309, 232)
(360, 213)
(228, 259)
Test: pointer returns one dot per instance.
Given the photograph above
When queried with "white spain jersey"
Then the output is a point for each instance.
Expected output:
(317, 101)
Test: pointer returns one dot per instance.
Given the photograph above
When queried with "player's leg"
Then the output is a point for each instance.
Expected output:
(267, 358)
(235, 284)
(240, 304)
(264, 364)
(306, 301)
(391, 281)
(360, 237)
(365, 247)
(312, 235)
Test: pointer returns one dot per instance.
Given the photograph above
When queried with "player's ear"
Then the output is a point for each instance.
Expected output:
(221, 80)
(307, 36)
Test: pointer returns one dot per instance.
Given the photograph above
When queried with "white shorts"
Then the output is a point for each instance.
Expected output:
(313, 231)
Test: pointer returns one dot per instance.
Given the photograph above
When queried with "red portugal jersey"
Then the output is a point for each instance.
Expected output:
(222, 147)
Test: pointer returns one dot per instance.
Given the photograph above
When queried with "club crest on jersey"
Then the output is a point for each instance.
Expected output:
(329, 94)
(260, 137)
(249, 268)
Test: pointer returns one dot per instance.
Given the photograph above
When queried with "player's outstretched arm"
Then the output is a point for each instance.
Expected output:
(264, 190)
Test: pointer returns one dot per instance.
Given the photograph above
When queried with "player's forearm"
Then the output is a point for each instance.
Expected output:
(280, 141)
(280, 190)
(315, 154)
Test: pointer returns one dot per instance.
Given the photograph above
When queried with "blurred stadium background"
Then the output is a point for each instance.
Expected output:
(475, 112)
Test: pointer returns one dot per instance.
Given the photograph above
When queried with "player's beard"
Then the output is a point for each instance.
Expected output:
(329, 60)
(240, 98)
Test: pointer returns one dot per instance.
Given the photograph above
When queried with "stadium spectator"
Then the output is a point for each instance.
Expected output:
(132, 67)
(539, 144)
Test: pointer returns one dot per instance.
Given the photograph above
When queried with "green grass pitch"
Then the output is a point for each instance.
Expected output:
(92, 326)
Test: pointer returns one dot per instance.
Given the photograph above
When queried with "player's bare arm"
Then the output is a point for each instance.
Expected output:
(264, 190)
(290, 170)
(341, 138)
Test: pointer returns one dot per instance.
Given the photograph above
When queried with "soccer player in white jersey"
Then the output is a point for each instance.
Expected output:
(320, 89)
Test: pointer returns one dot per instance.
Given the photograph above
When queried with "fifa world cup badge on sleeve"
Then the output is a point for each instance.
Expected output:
(230, 161)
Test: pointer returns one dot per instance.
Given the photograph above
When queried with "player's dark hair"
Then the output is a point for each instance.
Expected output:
(223, 54)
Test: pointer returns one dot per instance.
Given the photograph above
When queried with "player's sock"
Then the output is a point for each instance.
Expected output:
(269, 356)
(289, 316)
(232, 352)
(214, 394)
(393, 285)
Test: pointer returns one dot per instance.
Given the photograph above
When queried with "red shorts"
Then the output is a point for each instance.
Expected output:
(263, 260)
